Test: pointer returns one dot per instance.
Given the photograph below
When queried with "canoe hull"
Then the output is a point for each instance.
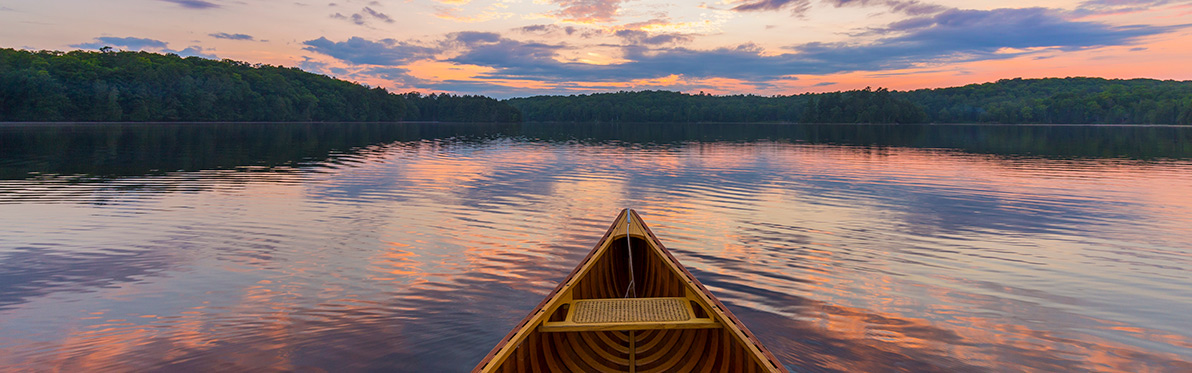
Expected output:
(630, 265)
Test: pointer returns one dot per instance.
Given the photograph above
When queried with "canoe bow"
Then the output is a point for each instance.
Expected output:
(668, 322)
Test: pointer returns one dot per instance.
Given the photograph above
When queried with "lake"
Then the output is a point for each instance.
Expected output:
(416, 247)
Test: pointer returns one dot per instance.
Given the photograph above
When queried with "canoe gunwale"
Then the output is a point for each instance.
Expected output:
(740, 327)
(540, 308)
(758, 353)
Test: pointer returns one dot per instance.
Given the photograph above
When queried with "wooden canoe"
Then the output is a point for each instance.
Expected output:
(605, 318)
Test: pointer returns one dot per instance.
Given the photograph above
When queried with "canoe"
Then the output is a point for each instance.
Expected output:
(629, 306)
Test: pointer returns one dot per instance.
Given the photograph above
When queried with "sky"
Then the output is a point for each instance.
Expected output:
(514, 48)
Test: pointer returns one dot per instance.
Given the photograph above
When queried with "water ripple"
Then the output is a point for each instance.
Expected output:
(418, 250)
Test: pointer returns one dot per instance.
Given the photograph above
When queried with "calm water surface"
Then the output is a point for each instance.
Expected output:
(415, 247)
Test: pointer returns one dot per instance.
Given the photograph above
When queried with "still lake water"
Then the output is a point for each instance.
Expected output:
(416, 247)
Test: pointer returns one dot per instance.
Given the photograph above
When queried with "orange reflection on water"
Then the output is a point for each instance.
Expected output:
(452, 239)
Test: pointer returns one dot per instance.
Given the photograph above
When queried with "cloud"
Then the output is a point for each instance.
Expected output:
(490, 49)
(911, 7)
(193, 4)
(224, 35)
(192, 51)
(797, 6)
(1103, 7)
(987, 30)
(644, 38)
(547, 29)
(364, 15)
(588, 10)
(945, 37)
(538, 61)
(377, 15)
(310, 65)
(746, 62)
(395, 74)
(129, 43)
(966, 35)
(474, 37)
(558, 31)
(360, 51)
(143, 44)
(949, 36)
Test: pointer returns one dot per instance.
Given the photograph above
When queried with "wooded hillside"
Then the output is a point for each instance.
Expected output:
(142, 86)
(1011, 101)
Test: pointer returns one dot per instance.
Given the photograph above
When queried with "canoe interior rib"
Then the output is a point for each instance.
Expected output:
(668, 323)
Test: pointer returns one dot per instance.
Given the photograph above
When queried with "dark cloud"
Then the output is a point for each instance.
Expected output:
(128, 43)
(799, 7)
(193, 51)
(470, 38)
(547, 29)
(363, 17)
(365, 52)
(1092, 7)
(588, 10)
(490, 49)
(911, 7)
(193, 4)
(945, 37)
(224, 35)
(949, 36)
(355, 18)
(395, 74)
(639, 37)
(796, 6)
(142, 44)
(537, 28)
(965, 35)
(823, 84)
(744, 62)
(535, 61)
(988, 30)
(377, 15)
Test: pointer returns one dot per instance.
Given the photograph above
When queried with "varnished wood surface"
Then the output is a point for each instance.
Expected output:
(720, 344)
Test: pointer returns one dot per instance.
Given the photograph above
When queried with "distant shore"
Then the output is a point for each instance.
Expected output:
(83, 86)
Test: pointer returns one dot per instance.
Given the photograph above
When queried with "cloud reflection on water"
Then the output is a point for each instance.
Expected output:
(419, 254)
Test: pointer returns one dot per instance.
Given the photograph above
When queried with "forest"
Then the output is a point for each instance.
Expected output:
(1009, 101)
(112, 85)
(858, 106)
(108, 85)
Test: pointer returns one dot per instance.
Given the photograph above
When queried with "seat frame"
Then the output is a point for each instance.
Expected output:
(572, 307)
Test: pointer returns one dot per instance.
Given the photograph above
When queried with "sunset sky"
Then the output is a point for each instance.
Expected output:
(508, 48)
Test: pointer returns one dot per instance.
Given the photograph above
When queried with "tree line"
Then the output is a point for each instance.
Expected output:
(1060, 101)
(1010, 101)
(857, 106)
(142, 87)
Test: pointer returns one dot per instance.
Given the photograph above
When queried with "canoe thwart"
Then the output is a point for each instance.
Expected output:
(630, 314)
